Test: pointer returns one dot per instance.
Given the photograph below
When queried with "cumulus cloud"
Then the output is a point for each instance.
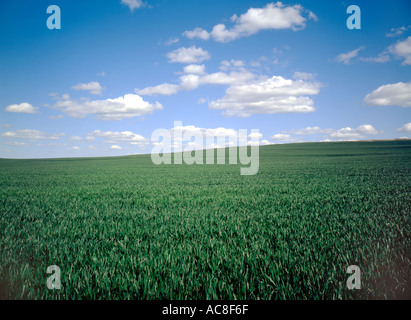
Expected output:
(188, 55)
(23, 107)
(405, 128)
(194, 77)
(274, 95)
(124, 107)
(31, 135)
(402, 50)
(115, 147)
(133, 4)
(347, 57)
(194, 69)
(342, 134)
(114, 137)
(397, 94)
(94, 87)
(197, 33)
(273, 16)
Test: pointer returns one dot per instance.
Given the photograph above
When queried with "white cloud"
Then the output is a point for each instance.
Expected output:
(75, 148)
(342, 134)
(381, 58)
(101, 74)
(164, 89)
(397, 94)
(75, 138)
(273, 16)
(133, 4)
(23, 107)
(402, 49)
(224, 137)
(17, 143)
(197, 33)
(274, 95)
(115, 147)
(172, 41)
(125, 107)
(94, 87)
(188, 55)
(303, 76)
(194, 69)
(232, 64)
(195, 77)
(31, 135)
(281, 137)
(405, 128)
(395, 32)
(119, 137)
(346, 57)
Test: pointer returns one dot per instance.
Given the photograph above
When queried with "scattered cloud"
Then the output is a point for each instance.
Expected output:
(396, 32)
(194, 76)
(125, 107)
(197, 33)
(94, 87)
(16, 143)
(274, 95)
(115, 147)
(397, 94)
(133, 4)
(172, 41)
(165, 89)
(181, 137)
(273, 16)
(31, 135)
(114, 137)
(342, 134)
(194, 69)
(75, 138)
(284, 138)
(188, 55)
(347, 57)
(381, 58)
(101, 74)
(402, 50)
(405, 128)
(23, 107)
(303, 76)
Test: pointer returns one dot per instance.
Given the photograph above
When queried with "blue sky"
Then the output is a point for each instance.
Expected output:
(118, 70)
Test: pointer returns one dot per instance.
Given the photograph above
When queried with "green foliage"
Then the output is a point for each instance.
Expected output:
(124, 228)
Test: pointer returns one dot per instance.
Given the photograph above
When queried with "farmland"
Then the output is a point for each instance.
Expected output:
(124, 228)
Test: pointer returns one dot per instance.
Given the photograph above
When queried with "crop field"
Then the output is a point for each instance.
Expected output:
(124, 228)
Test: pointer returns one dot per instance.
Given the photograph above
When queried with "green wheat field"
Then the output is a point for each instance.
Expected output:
(124, 228)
